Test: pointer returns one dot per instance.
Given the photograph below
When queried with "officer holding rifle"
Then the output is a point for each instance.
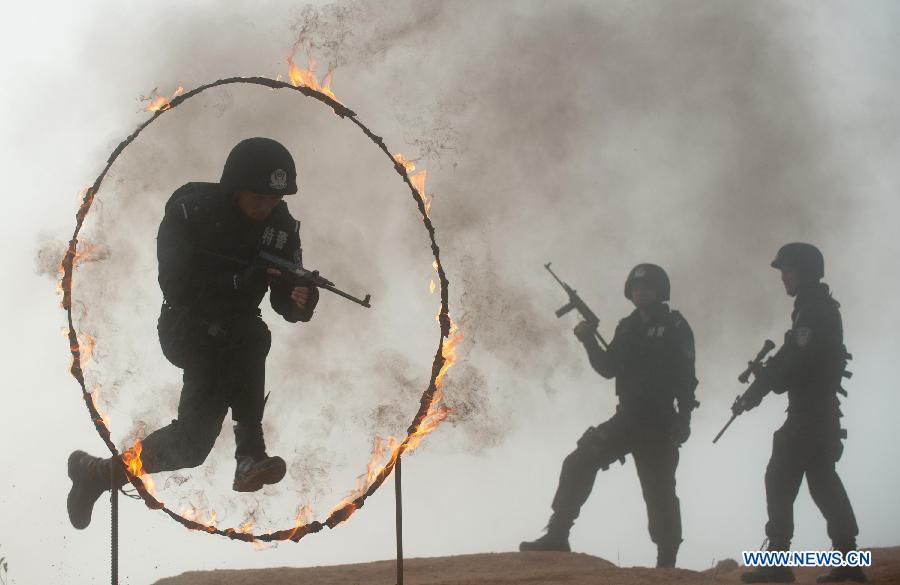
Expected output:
(651, 356)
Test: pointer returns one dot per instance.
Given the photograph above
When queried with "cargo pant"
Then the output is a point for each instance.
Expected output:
(224, 367)
(811, 448)
(655, 456)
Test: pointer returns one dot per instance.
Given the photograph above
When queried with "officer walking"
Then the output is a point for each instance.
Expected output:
(809, 367)
(651, 357)
(210, 323)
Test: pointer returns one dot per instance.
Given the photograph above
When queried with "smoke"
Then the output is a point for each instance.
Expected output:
(595, 136)
(358, 33)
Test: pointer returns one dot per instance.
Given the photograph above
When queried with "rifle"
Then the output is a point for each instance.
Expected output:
(753, 367)
(575, 302)
(295, 274)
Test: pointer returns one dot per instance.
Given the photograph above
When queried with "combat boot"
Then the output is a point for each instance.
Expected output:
(665, 555)
(556, 539)
(254, 467)
(549, 542)
(774, 574)
(91, 476)
(843, 575)
(252, 473)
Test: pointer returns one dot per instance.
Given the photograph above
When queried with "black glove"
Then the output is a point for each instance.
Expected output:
(751, 398)
(584, 332)
(681, 427)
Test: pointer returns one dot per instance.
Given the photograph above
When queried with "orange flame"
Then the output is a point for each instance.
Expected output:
(373, 469)
(407, 164)
(247, 528)
(431, 286)
(438, 412)
(162, 103)
(449, 351)
(307, 77)
(132, 460)
(194, 514)
(304, 517)
(86, 344)
(84, 252)
(417, 179)
(95, 399)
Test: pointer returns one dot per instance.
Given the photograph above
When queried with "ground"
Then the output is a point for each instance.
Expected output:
(509, 568)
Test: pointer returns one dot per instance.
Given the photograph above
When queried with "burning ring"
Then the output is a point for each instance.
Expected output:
(430, 412)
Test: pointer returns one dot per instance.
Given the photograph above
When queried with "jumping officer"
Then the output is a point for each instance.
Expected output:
(809, 367)
(210, 323)
(651, 357)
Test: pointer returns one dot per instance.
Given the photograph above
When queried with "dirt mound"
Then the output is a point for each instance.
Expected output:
(507, 568)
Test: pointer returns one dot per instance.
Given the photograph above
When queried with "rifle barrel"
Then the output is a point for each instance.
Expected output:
(576, 302)
(314, 278)
(728, 424)
(564, 285)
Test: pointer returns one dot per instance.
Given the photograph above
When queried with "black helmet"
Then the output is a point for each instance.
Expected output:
(260, 165)
(652, 275)
(804, 258)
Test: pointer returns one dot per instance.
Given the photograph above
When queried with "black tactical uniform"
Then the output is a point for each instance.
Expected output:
(210, 323)
(653, 364)
(809, 366)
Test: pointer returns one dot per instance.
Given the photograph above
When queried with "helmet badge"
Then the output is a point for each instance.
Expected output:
(639, 272)
(278, 179)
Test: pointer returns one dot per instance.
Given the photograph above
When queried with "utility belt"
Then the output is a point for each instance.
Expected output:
(184, 329)
(214, 323)
(642, 405)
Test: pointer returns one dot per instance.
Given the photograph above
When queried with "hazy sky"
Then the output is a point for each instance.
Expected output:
(697, 135)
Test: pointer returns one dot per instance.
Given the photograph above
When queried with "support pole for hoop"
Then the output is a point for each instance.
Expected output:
(399, 506)
(114, 521)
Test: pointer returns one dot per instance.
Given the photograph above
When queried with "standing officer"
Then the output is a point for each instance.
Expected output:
(809, 367)
(652, 358)
(210, 323)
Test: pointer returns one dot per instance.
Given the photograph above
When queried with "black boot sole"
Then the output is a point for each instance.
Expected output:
(853, 578)
(532, 546)
(272, 472)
